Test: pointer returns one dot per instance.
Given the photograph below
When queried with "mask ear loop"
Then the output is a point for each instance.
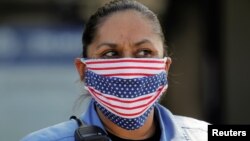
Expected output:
(83, 83)
(83, 60)
(165, 59)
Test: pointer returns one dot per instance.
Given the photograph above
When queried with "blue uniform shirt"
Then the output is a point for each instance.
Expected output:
(173, 128)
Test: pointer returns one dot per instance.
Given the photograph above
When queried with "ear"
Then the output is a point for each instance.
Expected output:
(168, 63)
(80, 67)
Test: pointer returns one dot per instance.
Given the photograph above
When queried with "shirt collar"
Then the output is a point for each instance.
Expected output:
(90, 117)
(170, 130)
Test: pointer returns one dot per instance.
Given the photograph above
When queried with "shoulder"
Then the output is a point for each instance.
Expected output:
(183, 121)
(188, 122)
(60, 132)
(194, 128)
(182, 127)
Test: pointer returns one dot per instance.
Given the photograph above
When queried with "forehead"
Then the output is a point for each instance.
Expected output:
(128, 24)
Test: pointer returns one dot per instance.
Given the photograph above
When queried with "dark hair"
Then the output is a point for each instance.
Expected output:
(97, 18)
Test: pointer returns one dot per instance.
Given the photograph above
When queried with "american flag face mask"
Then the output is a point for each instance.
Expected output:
(126, 89)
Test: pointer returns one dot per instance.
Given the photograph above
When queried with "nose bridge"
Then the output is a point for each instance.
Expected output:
(127, 51)
(127, 54)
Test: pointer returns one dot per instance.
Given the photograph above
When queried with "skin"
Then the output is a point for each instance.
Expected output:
(131, 35)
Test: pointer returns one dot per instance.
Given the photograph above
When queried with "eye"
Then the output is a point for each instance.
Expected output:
(144, 53)
(110, 54)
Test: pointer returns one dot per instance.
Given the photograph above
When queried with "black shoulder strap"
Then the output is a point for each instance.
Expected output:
(88, 133)
(79, 122)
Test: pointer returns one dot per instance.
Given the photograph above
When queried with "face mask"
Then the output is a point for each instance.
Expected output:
(126, 89)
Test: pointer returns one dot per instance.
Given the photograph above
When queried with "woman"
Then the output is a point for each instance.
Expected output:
(124, 67)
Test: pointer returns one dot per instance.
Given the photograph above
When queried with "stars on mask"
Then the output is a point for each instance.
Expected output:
(128, 88)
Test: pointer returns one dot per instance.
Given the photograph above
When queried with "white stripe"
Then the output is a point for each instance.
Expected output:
(126, 105)
(122, 59)
(126, 64)
(129, 77)
(127, 112)
(103, 72)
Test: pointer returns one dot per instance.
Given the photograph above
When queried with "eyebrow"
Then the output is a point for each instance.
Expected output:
(142, 42)
(113, 45)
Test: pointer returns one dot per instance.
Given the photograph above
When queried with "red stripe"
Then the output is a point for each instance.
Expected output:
(129, 67)
(128, 74)
(129, 115)
(119, 61)
(119, 100)
(115, 106)
(110, 105)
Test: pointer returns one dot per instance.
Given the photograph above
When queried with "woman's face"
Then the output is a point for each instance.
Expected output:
(126, 34)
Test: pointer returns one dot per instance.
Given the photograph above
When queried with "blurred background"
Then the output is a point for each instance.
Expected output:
(208, 41)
